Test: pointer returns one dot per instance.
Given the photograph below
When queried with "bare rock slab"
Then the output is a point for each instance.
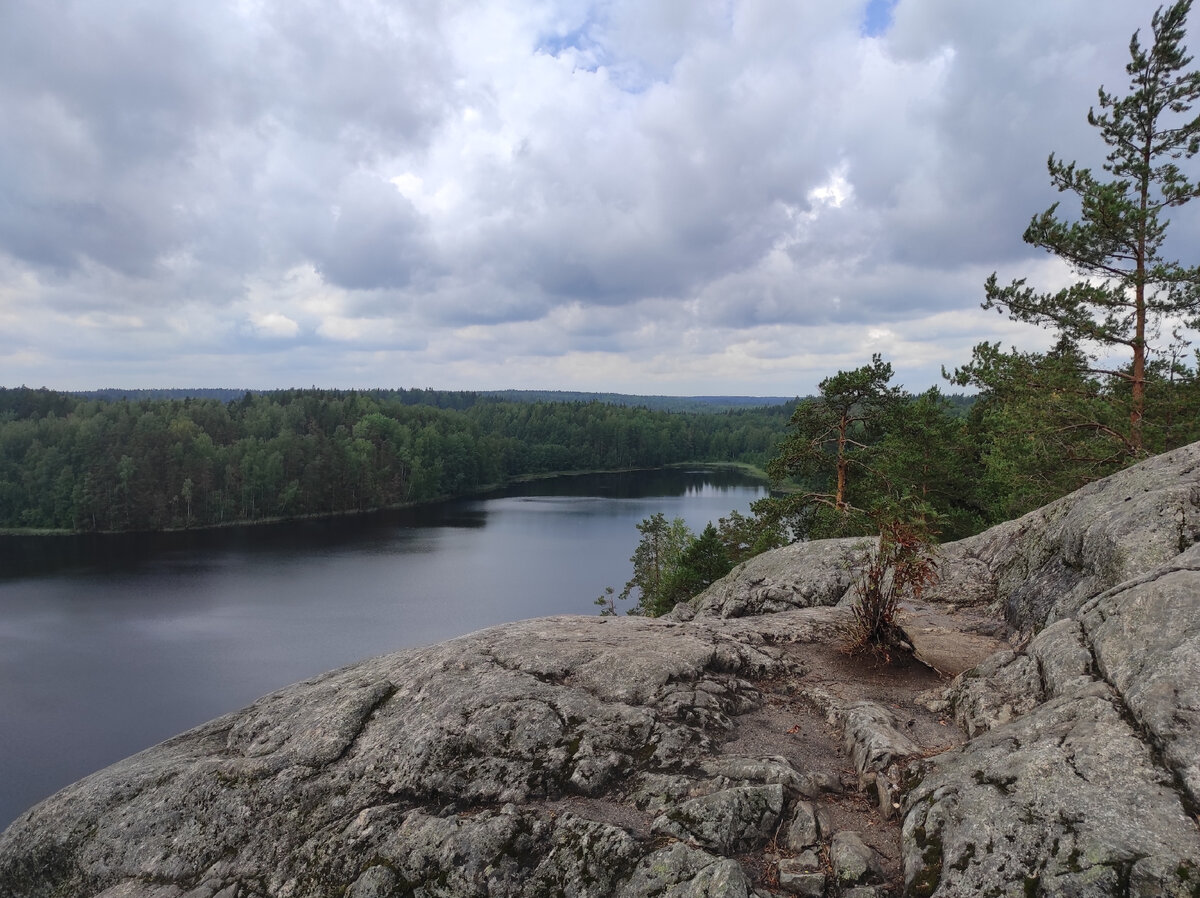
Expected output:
(939, 641)
(1066, 798)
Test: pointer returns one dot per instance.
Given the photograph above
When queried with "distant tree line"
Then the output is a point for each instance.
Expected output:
(88, 464)
(465, 398)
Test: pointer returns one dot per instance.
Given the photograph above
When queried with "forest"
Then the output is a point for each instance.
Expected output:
(70, 462)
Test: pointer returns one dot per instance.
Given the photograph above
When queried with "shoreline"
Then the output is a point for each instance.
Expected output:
(746, 468)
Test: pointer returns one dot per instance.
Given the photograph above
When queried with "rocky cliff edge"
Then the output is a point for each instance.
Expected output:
(729, 750)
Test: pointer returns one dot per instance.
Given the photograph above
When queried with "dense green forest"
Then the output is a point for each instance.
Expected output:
(70, 462)
(464, 398)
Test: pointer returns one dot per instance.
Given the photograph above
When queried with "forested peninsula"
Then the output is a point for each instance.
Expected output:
(81, 463)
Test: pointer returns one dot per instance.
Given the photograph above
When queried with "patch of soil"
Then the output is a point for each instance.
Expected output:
(792, 722)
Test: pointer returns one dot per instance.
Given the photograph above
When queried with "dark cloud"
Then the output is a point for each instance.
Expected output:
(375, 239)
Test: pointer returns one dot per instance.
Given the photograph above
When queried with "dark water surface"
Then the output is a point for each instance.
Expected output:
(111, 644)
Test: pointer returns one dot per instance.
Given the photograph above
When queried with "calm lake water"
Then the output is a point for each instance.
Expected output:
(109, 645)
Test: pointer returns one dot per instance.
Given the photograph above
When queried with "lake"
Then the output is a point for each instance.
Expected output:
(110, 644)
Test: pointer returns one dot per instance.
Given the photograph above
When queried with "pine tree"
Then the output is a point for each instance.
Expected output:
(657, 556)
(830, 446)
(1127, 286)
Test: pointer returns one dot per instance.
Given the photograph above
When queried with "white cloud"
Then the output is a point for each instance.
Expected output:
(719, 196)
(274, 324)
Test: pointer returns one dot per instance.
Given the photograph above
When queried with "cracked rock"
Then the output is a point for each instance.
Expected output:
(728, 821)
(679, 871)
(803, 830)
(853, 860)
(1066, 796)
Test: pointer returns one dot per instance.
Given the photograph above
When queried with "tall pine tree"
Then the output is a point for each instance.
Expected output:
(1127, 286)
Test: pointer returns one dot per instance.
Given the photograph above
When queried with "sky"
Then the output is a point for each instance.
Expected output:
(734, 197)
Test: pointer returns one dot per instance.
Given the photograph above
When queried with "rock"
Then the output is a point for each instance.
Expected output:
(806, 861)
(939, 641)
(872, 738)
(678, 871)
(729, 821)
(818, 783)
(824, 823)
(801, 575)
(1060, 788)
(803, 830)
(1005, 686)
(1073, 762)
(375, 882)
(739, 771)
(885, 794)
(853, 860)
(1145, 638)
(1046, 565)
(1066, 797)
(802, 876)
(655, 792)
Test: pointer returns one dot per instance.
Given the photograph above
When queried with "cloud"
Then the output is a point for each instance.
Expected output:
(606, 194)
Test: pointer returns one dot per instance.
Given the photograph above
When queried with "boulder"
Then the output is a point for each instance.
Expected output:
(853, 860)
(802, 575)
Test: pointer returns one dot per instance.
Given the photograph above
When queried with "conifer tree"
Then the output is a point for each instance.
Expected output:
(1127, 285)
(830, 447)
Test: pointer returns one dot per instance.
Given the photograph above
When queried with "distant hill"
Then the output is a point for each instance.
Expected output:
(112, 394)
(960, 404)
(656, 403)
(465, 398)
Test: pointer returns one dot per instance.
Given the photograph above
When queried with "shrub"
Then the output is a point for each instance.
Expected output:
(902, 566)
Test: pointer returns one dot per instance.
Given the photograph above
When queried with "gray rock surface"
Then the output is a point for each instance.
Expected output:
(682, 872)
(598, 756)
(1082, 776)
(949, 643)
(730, 821)
(801, 575)
(803, 830)
(1047, 564)
(1066, 798)
(853, 860)
(872, 738)
(801, 876)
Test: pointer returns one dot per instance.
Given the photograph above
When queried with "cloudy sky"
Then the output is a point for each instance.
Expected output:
(645, 196)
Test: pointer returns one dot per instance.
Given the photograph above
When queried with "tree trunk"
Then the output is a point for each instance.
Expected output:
(842, 464)
(1137, 401)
